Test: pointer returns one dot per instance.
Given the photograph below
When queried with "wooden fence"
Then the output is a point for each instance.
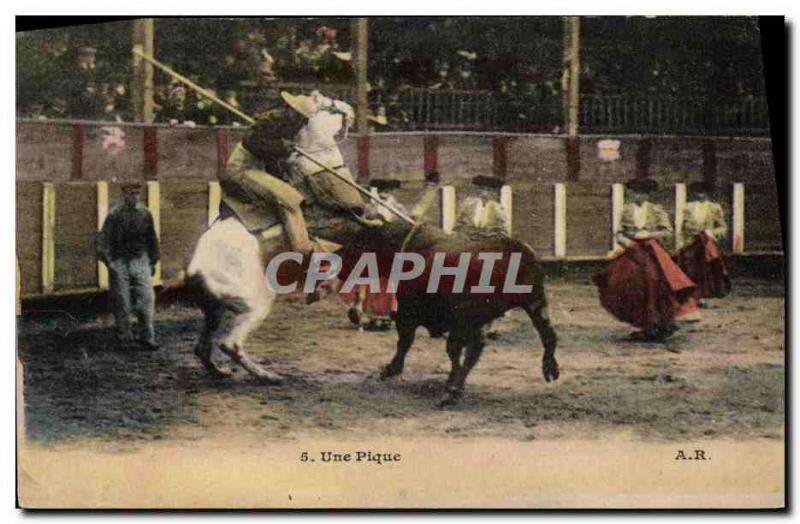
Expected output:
(55, 150)
(57, 223)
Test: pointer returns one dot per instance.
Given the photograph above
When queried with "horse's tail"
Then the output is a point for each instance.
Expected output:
(196, 290)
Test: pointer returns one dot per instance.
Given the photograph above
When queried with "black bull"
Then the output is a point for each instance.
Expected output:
(461, 315)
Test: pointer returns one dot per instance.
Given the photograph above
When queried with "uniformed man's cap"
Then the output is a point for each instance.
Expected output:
(303, 104)
(130, 186)
(384, 184)
(344, 56)
(87, 52)
(641, 185)
(488, 182)
(699, 187)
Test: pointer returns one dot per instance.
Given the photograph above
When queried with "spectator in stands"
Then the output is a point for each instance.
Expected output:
(128, 246)
(115, 104)
(200, 110)
(117, 101)
(173, 106)
(85, 99)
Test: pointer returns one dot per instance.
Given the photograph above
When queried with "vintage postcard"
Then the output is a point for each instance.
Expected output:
(514, 262)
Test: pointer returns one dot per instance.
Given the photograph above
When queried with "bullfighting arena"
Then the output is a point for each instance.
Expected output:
(720, 378)
(140, 429)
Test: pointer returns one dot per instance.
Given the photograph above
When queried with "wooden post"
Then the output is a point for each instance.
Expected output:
(48, 236)
(447, 208)
(617, 207)
(565, 46)
(572, 74)
(431, 156)
(560, 221)
(214, 198)
(363, 158)
(154, 205)
(135, 82)
(499, 148)
(738, 219)
(222, 150)
(77, 152)
(643, 158)
(102, 213)
(19, 287)
(150, 145)
(710, 162)
(507, 203)
(360, 36)
(680, 208)
(142, 82)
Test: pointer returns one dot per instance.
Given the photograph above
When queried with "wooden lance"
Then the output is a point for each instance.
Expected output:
(208, 94)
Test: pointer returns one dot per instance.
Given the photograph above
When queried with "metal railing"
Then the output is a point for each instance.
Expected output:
(423, 109)
(426, 109)
(680, 115)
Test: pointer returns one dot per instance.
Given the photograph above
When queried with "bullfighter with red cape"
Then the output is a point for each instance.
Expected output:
(701, 258)
(374, 310)
(641, 285)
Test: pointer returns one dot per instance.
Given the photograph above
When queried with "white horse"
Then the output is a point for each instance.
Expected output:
(229, 262)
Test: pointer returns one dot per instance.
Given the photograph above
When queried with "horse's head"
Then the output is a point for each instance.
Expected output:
(327, 119)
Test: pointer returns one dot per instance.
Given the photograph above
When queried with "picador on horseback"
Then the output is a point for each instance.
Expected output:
(256, 180)
(287, 193)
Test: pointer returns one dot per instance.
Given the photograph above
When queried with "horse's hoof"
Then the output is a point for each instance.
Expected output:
(217, 372)
(271, 379)
(450, 398)
(221, 374)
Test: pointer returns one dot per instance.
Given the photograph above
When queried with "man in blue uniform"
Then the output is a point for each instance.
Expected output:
(128, 245)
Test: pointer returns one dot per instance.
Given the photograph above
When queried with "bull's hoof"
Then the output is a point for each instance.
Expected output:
(388, 372)
(354, 316)
(313, 297)
(452, 397)
(550, 370)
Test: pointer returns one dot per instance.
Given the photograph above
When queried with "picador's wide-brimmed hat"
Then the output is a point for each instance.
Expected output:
(384, 184)
(489, 182)
(699, 187)
(641, 185)
(303, 104)
(379, 117)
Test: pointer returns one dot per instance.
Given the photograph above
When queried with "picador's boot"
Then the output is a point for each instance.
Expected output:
(296, 231)
(295, 226)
